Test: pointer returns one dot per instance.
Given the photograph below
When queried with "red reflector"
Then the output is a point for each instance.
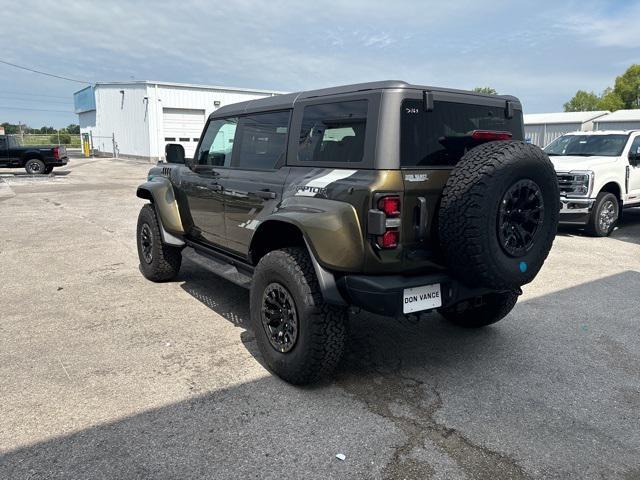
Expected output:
(389, 239)
(490, 135)
(390, 206)
(56, 153)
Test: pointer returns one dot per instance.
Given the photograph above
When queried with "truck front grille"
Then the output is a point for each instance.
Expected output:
(570, 185)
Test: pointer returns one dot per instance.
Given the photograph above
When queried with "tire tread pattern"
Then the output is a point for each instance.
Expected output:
(326, 322)
(166, 259)
(462, 228)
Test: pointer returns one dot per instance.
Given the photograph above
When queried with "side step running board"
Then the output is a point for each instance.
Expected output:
(219, 267)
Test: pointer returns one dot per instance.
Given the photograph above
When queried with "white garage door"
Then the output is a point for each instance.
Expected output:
(183, 126)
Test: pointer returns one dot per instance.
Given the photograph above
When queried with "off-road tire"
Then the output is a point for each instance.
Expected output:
(48, 170)
(494, 308)
(34, 166)
(468, 215)
(593, 225)
(165, 259)
(321, 327)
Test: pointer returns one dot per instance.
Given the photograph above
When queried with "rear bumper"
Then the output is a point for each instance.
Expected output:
(61, 162)
(575, 210)
(383, 294)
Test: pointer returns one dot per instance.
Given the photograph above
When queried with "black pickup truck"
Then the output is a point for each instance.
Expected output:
(35, 159)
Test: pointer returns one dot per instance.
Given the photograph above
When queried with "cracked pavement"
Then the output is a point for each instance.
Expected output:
(106, 375)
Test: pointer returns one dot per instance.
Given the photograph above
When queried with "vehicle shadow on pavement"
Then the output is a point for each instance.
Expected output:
(628, 229)
(542, 381)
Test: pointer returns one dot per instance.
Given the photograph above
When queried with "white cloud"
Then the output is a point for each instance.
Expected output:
(618, 29)
(542, 55)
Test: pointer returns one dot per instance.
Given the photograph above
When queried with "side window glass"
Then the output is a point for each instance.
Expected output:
(3, 143)
(262, 140)
(333, 133)
(217, 144)
(635, 146)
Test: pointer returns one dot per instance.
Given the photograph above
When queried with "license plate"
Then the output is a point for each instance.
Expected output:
(421, 298)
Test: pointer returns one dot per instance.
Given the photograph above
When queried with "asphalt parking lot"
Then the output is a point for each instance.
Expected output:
(106, 375)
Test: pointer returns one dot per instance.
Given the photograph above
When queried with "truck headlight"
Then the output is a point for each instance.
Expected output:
(577, 183)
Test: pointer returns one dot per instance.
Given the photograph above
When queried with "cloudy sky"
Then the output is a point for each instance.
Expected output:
(540, 51)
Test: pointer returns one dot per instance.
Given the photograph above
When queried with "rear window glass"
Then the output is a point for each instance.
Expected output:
(333, 133)
(442, 136)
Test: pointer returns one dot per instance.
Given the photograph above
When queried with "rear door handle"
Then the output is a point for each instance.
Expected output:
(266, 194)
(422, 218)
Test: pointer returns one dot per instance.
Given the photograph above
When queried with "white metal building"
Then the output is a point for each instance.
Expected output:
(139, 118)
(619, 120)
(543, 128)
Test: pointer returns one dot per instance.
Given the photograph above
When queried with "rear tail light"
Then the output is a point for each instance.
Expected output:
(490, 135)
(389, 207)
(56, 153)
(389, 239)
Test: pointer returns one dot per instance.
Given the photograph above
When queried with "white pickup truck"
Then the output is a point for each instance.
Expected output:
(599, 175)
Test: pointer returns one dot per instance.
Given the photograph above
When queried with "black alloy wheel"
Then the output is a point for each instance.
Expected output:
(146, 242)
(519, 218)
(279, 317)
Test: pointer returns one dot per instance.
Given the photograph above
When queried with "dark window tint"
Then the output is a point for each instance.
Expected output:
(443, 135)
(3, 142)
(635, 145)
(333, 133)
(263, 140)
(217, 145)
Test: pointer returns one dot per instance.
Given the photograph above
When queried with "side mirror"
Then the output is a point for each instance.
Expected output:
(174, 153)
(634, 158)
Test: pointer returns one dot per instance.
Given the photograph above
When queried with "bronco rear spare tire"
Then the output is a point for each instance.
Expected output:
(499, 215)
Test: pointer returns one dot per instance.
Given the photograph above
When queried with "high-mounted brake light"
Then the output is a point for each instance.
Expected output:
(390, 206)
(56, 153)
(490, 135)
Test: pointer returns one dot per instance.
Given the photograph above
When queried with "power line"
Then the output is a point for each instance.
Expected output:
(35, 109)
(43, 73)
(38, 100)
(29, 94)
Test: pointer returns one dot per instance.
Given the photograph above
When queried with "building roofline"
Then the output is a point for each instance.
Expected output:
(189, 85)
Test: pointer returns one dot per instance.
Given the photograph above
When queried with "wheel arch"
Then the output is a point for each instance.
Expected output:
(330, 229)
(161, 195)
(614, 188)
(275, 234)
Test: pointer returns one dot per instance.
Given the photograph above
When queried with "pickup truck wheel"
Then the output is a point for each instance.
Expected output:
(604, 215)
(34, 166)
(301, 338)
(494, 307)
(499, 215)
(158, 262)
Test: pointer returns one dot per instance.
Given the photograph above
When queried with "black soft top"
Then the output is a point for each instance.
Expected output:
(288, 100)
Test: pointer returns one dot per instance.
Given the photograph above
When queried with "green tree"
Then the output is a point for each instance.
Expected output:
(582, 102)
(10, 128)
(486, 90)
(627, 87)
(610, 100)
(73, 129)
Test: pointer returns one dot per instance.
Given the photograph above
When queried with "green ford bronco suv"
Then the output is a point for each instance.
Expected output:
(391, 197)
